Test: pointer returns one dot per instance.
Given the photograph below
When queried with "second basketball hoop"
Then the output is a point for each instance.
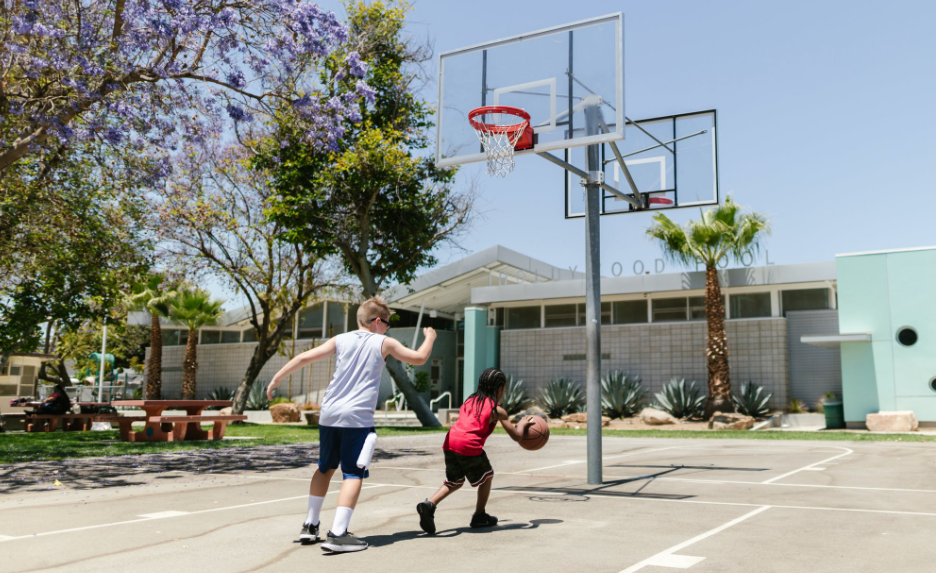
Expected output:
(502, 130)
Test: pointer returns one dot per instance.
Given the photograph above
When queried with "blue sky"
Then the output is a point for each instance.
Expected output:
(826, 116)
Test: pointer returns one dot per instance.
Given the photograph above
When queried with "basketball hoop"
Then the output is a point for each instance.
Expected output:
(660, 201)
(501, 130)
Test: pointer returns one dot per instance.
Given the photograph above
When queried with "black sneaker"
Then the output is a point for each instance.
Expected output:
(483, 520)
(343, 543)
(426, 510)
(309, 533)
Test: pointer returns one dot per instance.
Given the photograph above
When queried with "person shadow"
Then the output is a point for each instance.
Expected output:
(503, 525)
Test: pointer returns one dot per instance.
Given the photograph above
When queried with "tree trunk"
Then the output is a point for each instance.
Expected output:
(259, 359)
(154, 365)
(716, 346)
(413, 398)
(190, 366)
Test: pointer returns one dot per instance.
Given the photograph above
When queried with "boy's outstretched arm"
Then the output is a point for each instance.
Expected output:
(394, 348)
(300, 361)
(515, 432)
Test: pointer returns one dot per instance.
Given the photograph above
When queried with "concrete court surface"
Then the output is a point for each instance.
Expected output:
(666, 505)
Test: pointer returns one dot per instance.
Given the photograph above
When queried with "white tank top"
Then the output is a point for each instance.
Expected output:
(351, 396)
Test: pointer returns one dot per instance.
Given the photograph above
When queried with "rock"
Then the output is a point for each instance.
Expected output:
(904, 421)
(531, 411)
(654, 417)
(730, 421)
(285, 413)
(312, 417)
(226, 411)
(581, 418)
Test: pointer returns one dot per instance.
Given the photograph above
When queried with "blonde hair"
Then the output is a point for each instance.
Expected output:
(371, 309)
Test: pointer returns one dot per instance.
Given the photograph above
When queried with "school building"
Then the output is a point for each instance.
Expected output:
(799, 330)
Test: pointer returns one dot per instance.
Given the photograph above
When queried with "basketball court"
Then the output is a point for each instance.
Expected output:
(665, 504)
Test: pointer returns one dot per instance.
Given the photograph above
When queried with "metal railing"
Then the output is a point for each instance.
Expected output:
(442, 395)
(399, 403)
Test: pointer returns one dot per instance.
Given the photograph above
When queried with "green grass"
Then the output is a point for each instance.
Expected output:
(18, 447)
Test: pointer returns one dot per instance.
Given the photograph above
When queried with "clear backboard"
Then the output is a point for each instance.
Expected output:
(672, 161)
(552, 74)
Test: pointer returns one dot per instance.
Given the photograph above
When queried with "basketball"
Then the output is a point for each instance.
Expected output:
(535, 435)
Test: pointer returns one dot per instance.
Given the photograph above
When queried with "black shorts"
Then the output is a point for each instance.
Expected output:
(458, 467)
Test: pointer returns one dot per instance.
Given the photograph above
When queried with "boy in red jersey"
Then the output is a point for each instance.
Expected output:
(464, 449)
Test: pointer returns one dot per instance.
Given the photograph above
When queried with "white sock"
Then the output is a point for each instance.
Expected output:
(315, 507)
(342, 519)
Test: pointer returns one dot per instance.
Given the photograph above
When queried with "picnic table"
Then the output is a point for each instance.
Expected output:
(173, 428)
(35, 422)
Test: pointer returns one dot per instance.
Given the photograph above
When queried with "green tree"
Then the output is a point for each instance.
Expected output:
(722, 232)
(152, 296)
(379, 202)
(193, 308)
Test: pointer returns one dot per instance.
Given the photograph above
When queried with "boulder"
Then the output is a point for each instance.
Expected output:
(904, 421)
(531, 411)
(285, 413)
(730, 421)
(654, 417)
(581, 418)
(312, 417)
(226, 411)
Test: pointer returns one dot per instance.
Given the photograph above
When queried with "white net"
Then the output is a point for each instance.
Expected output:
(499, 133)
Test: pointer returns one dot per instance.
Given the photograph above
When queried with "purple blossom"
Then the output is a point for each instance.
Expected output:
(236, 79)
(238, 114)
(366, 91)
(357, 66)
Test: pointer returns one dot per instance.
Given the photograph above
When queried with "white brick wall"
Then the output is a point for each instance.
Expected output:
(655, 352)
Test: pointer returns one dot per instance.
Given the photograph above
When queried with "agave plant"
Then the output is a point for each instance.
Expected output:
(562, 396)
(221, 393)
(515, 397)
(680, 400)
(751, 401)
(257, 399)
(621, 395)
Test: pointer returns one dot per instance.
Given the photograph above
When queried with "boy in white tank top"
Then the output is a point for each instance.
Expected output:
(347, 417)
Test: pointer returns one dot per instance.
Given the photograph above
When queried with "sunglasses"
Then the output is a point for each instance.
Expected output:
(378, 319)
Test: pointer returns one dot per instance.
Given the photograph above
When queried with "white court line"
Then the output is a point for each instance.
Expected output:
(103, 525)
(163, 514)
(814, 469)
(604, 458)
(788, 474)
(860, 488)
(660, 558)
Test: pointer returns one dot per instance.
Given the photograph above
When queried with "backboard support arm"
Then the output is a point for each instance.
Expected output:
(587, 179)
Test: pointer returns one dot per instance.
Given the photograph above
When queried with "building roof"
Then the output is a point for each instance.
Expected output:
(751, 276)
(886, 252)
(448, 289)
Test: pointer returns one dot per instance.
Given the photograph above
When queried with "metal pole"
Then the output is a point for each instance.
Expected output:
(103, 358)
(593, 298)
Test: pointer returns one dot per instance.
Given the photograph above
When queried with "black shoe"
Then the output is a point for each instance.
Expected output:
(343, 543)
(309, 533)
(426, 510)
(483, 520)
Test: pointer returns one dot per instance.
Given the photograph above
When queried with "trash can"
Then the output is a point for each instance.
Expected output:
(834, 414)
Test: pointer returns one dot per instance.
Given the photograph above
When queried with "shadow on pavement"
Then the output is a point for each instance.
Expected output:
(384, 540)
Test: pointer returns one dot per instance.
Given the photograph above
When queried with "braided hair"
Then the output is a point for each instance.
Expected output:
(489, 383)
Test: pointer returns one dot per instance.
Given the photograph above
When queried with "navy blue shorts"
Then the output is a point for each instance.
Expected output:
(342, 447)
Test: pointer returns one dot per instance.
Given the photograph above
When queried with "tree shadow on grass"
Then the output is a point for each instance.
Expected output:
(88, 473)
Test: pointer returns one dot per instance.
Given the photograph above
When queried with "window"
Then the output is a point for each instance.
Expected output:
(753, 305)
(352, 318)
(697, 307)
(561, 315)
(669, 309)
(630, 312)
(310, 321)
(335, 318)
(250, 335)
(498, 317)
(806, 299)
(16, 370)
(605, 313)
(435, 372)
(523, 317)
(174, 337)
(210, 337)
(230, 336)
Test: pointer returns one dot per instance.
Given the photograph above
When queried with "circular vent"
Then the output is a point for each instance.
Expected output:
(907, 336)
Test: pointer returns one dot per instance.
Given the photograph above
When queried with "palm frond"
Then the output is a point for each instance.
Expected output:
(673, 238)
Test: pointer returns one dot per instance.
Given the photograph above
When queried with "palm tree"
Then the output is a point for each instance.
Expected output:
(193, 308)
(722, 232)
(151, 297)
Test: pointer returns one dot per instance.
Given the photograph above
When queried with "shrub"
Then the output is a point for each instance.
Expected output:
(257, 399)
(310, 406)
(621, 395)
(421, 382)
(751, 401)
(797, 406)
(680, 400)
(515, 397)
(280, 400)
(562, 396)
(220, 393)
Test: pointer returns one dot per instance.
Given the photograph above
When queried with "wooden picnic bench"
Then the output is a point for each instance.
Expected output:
(50, 422)
(161, 428)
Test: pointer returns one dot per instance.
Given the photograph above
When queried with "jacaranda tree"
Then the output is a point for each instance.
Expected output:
(149, 73)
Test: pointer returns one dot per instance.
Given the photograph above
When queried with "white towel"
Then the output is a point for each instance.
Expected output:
(367, 452)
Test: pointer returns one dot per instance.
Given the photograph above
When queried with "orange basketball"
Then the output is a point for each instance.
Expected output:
(535, 435)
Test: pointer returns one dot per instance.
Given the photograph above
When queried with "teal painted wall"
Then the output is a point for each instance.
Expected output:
(881, 294)
(482, 348)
